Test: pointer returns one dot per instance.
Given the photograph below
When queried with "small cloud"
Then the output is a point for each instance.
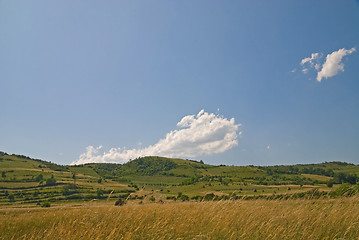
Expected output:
(305, 70)
(310, 59)
(310, 62)
(333, 64)
(331, 67)
(268, 147)
(201, 134)
(294, 70)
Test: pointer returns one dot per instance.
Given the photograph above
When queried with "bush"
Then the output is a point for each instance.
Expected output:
(51, 181)
(345, 189)
(11, 198)
(171, 198)
(69, 189)
(45, 204)
(184, 198)
(330, 183)
(209, 197)
(39, 178)
(35, 194)
(99, 193)
(197, 198)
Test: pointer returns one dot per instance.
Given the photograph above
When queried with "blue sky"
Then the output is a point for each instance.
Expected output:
(123, 74)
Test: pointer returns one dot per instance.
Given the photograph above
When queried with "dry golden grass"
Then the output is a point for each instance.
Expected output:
(259, 219)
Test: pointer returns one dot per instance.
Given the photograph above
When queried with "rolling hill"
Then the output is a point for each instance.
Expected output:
(27, 180)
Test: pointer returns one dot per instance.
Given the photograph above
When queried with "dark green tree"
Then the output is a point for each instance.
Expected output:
(74, 178)
(330, 183)
(99, 193)
(11, 198)
(39, 178)
(179, 195)
(184, 198)
(209, 197)
(51, 181)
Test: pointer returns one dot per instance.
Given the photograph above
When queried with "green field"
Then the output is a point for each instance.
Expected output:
(30, 181)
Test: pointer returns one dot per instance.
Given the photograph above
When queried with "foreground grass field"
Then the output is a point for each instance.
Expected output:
(254, 219)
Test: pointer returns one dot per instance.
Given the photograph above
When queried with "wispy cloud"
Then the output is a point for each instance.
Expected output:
(310, 60)
(201, 134)
(331, 67)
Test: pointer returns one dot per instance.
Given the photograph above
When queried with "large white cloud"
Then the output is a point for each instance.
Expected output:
(331, 67)
(201, 134)
(333, 64)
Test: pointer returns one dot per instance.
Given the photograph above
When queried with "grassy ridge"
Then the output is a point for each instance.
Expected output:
(26, 180)
(259, 219)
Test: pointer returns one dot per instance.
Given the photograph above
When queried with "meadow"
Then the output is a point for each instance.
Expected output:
(241, 219)
(177, 199)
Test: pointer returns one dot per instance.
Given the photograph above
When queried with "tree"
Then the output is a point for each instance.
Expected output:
(99, 193)
(11, 198)
(3, 174)
(39, 178)
(209, 197)
(179, 195)
(74, 178)
(51, 181)
(330, 183)
(184, 198)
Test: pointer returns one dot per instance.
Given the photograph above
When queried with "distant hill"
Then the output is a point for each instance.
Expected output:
(33, 179)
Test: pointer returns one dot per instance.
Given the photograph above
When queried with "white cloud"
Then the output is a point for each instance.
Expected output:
(310, 59)
(331, 67)
(310, 62)
(305, 70)
(201, 134)
(268, 147)
(333, 64)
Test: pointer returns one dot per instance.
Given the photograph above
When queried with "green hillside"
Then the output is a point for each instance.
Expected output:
(26, 180)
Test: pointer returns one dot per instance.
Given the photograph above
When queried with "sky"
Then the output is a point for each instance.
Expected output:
(226, 82)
